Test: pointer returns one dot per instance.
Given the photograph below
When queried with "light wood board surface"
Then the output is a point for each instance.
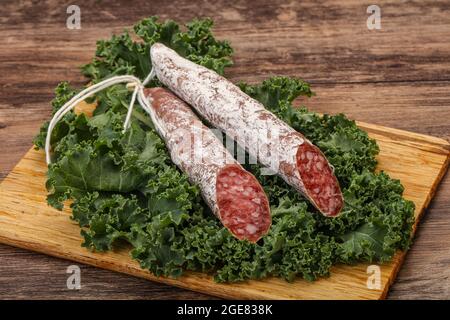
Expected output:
(26, 221)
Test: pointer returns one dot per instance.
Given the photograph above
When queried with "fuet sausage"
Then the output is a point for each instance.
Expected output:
(233, 194)
(267, 138)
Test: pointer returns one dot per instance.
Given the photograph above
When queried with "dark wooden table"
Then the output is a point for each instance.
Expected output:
(397, 76)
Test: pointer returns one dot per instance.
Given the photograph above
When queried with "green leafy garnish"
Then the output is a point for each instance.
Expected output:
(121, 55)
(125, 188)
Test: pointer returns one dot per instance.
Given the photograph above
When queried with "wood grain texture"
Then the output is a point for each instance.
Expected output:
(27, 221)
(396, 76)
(49, 274)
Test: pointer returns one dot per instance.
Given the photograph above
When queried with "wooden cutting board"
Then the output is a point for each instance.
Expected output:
(26, 221)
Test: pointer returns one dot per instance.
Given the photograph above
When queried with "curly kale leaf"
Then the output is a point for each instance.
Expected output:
(121, 55)
(377, 221)
(103, 159)
(277, 92)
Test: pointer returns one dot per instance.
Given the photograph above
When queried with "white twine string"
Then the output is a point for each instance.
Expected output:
(131, 81)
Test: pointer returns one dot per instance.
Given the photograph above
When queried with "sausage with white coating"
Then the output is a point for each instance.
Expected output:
(233, 194)
(274, 143)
